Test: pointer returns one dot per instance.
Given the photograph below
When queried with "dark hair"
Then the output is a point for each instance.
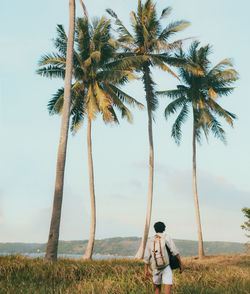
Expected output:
(159, 227)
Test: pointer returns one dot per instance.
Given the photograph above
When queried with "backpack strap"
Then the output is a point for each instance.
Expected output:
(168, 250)
(155, 254)
(159, 239)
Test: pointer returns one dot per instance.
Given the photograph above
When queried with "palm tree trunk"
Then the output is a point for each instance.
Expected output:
(52, 245)
(196, 202)
(149, 92)
(89, 250)
(84, 9)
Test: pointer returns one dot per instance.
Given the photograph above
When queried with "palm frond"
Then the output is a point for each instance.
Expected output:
(222, 65)
(125, 112)
(202, 57)
(192, 52)
(52, 58)
(217, 109)
(127, 62)
(101, 97)
(180, 120)
(133, 18)
(92, 103)
(124, 97)
(56, 103)
(226, 76)
(139, 9)
(115, 76)
(224, 91)
(181, 63)
(121, 28)
(51, 72)
(174, 106)
(212, 93)
(78, 113)
(101, 30)
(173, 28)
(148, 84)
(117, 101)
(197, 125)
(165, 12)
(173, 94)
(215, 127)
(157, 61)
(83, 33)
(61, 40)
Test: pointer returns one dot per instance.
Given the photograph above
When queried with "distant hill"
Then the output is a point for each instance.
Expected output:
(121, 246)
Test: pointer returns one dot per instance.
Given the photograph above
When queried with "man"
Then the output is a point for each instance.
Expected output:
(160, 275)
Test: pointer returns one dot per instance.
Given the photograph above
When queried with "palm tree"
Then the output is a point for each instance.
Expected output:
(149, 46)
(52, 245)
(97, 74)
(198, 94)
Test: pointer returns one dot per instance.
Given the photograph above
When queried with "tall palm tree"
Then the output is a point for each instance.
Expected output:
(198, 94)
(98, 74)
(149, 46)
(52, 245)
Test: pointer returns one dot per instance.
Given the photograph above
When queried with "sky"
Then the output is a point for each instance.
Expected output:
(30, 136)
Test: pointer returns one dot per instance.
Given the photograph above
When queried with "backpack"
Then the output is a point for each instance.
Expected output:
(173, 260)
(159, 252)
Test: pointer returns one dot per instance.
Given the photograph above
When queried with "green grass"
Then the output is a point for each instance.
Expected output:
(227, 274)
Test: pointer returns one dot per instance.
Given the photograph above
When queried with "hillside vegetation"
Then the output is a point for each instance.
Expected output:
(227, 274)
(122, 247)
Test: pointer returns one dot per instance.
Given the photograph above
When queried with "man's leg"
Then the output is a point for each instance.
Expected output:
(167, 279)
(167, 289)
(157, 289)
(157, 280)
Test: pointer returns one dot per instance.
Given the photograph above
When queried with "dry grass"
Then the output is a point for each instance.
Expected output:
(229, 274)
(226, 274)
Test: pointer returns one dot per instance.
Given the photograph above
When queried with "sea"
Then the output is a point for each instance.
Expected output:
(70, 256)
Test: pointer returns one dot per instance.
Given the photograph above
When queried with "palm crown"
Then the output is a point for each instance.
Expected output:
(97, 74)
(149, 45)
(199, 92)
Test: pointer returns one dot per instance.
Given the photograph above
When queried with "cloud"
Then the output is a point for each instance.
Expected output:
(32, 223)
(213, 191)
(122, 212)
(131, 184)
(158, 167)
(134, 183)
(31, 228)
(139, 164)
(219, 200)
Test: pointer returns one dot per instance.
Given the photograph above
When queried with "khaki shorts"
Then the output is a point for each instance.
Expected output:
(163, 276)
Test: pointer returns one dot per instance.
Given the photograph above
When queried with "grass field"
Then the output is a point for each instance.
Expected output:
(229, 274)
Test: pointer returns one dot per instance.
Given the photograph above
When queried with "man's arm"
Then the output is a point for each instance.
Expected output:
(147, 256)
(179, 258)
(174, 250)
(147, 273)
